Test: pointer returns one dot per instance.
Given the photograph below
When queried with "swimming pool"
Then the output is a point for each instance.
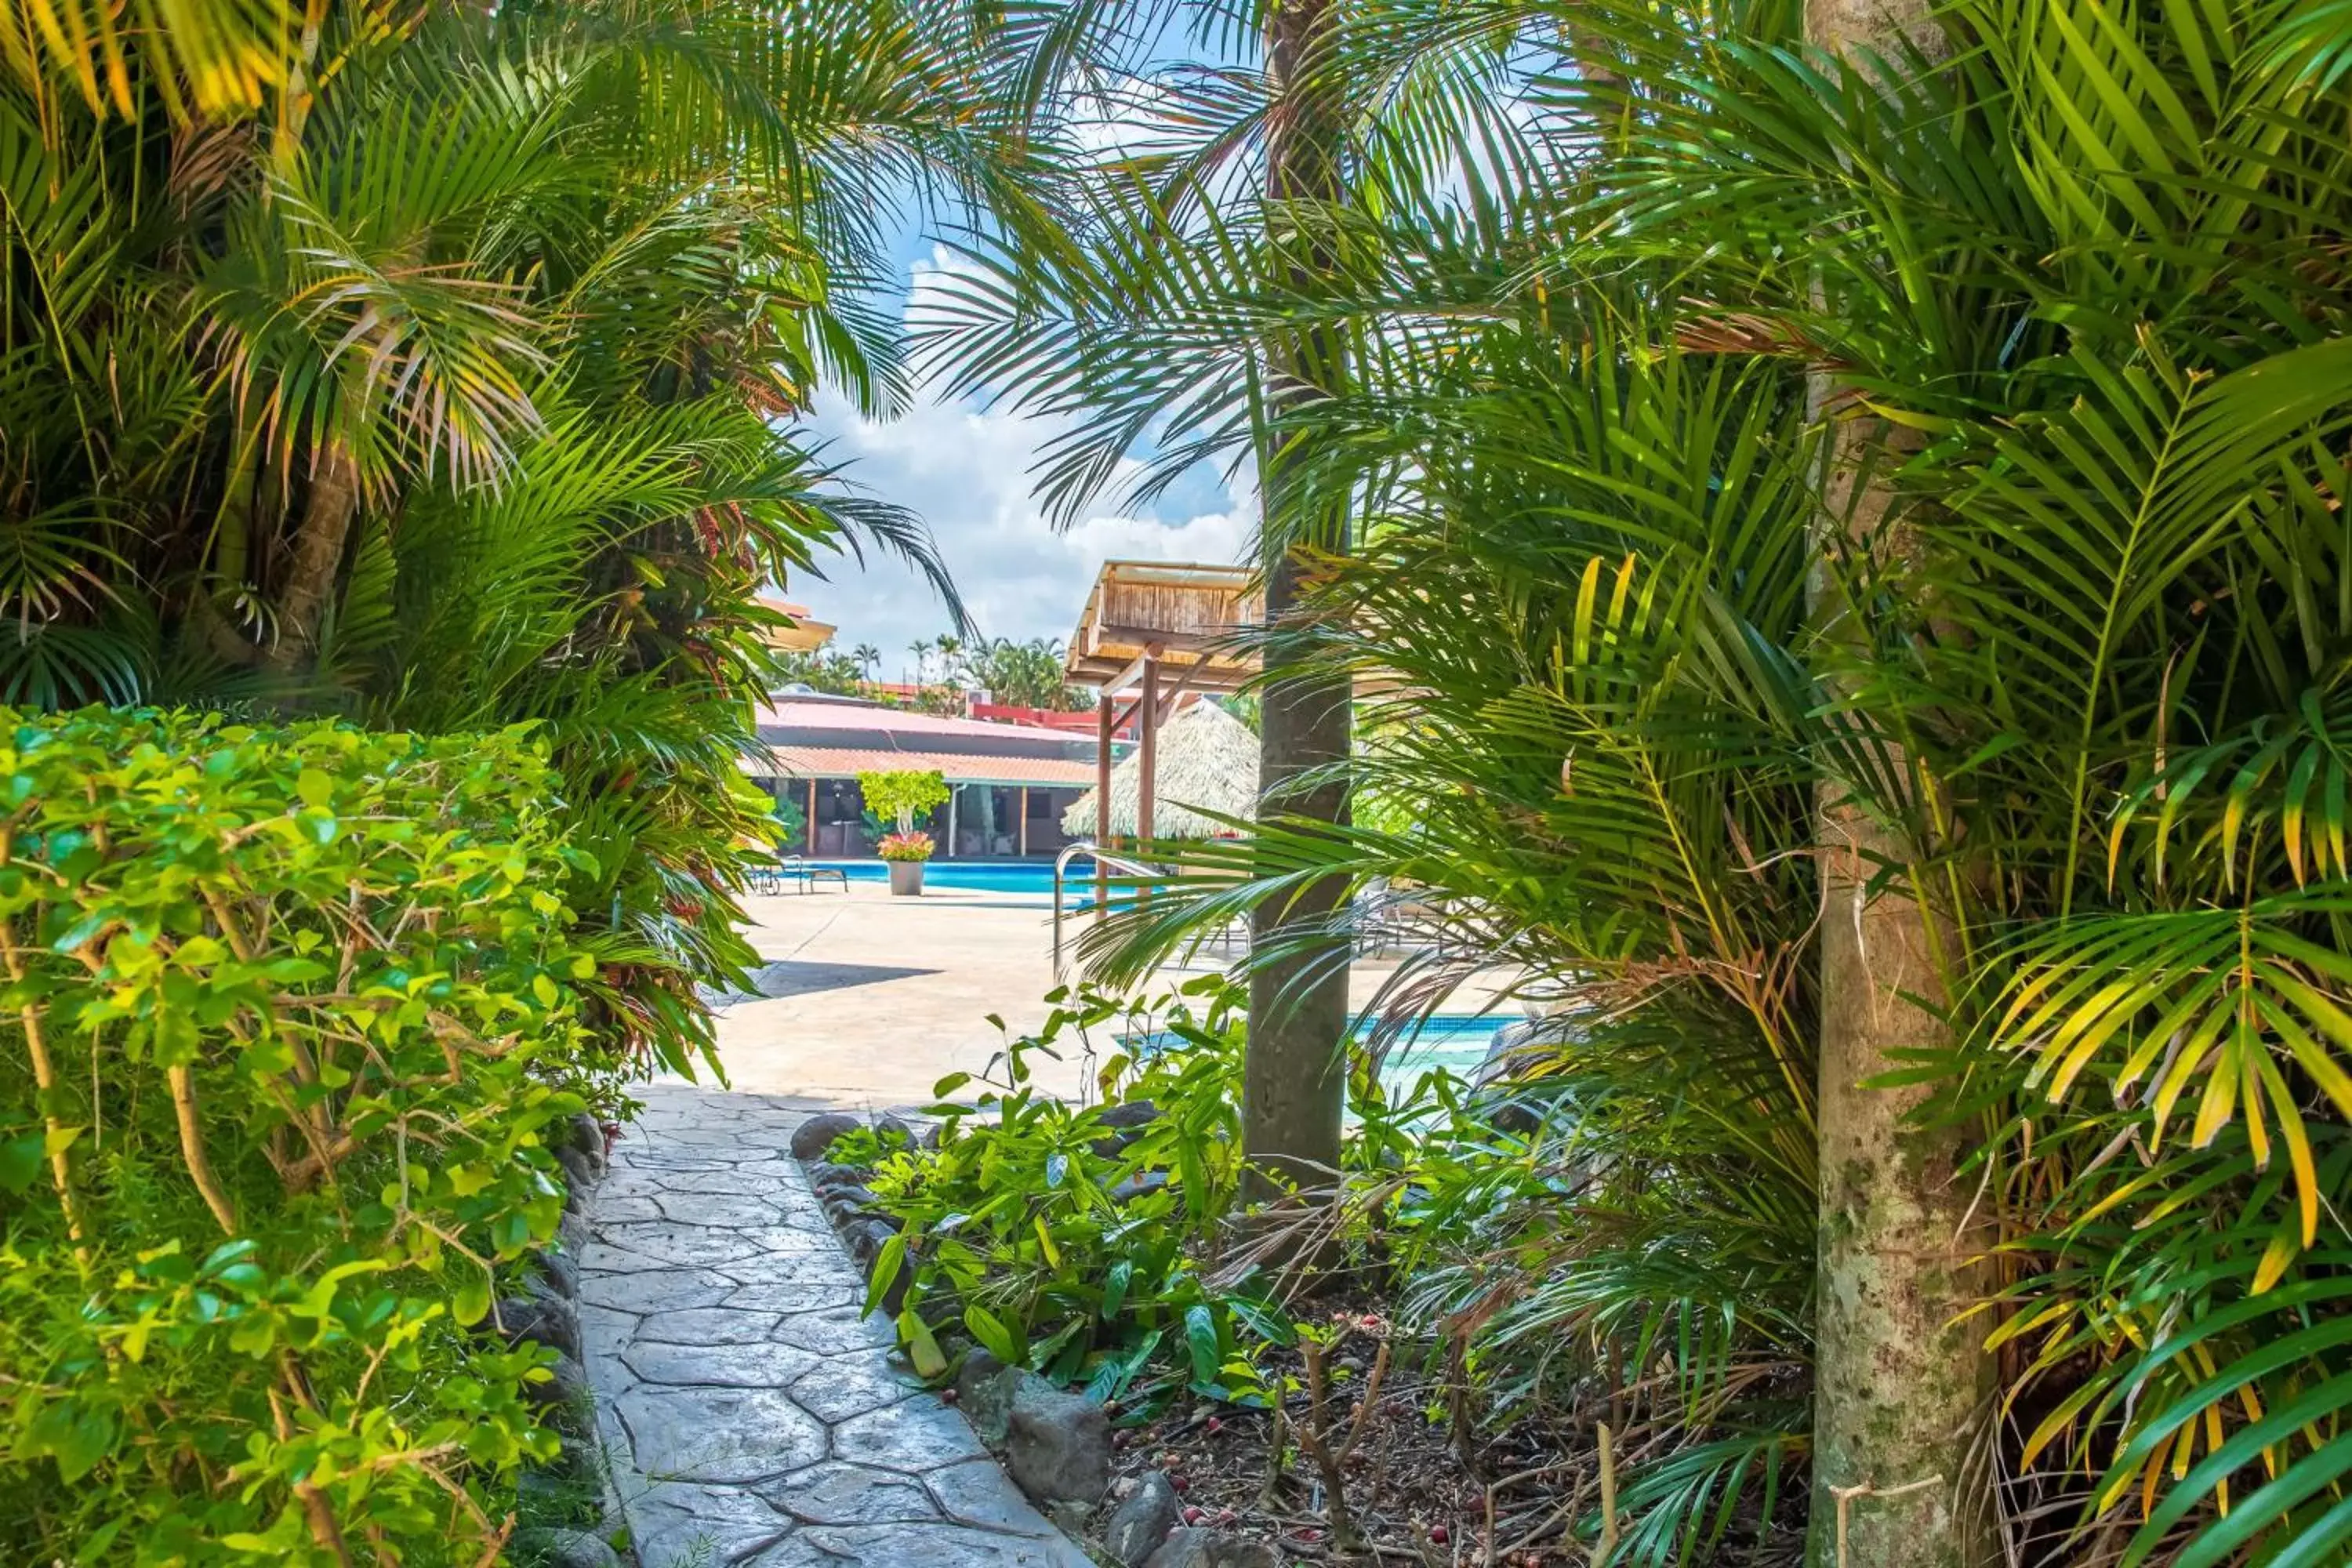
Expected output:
(972, 876)
(1456, 1043)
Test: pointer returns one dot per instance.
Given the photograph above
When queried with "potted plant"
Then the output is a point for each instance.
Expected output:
(901, 797)
(906, 853)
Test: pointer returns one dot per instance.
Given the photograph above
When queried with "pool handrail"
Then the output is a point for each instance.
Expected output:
(1103, 859)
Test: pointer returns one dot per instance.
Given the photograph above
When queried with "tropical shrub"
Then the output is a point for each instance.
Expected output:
(901, 797)
(1782, 481)
(289, 1016)
(432, 366)
(1072, 1238)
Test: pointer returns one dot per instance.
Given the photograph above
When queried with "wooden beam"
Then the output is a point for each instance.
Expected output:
(1175, 690)
(1024, 822)
(810, 833)
(1152, 636)
(1147, 765)
(1207, 674)
(1102, 800)
(1133, 670)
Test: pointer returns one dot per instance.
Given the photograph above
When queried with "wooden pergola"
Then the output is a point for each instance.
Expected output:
(1152, 632)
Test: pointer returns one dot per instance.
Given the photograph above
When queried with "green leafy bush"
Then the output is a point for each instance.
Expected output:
(902, 797)
(1060, 1237)
(287, 1017)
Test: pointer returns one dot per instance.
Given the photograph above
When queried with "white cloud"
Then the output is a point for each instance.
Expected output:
(967, 473)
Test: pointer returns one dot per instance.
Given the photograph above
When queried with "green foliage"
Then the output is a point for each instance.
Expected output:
(835, 674)
(787, 822)
(450, 391)
(1606, 279)
(1055, 1238)
(901, 797)
(289, 1018)
(1024, 674)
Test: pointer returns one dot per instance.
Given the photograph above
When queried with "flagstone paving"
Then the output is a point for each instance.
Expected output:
(752, 1417)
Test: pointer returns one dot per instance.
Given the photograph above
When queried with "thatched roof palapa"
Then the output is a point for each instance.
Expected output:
(1208, 758)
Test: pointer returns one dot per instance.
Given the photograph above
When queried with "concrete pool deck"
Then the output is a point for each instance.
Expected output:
(867, 1000)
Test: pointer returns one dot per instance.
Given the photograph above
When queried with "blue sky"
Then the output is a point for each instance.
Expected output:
(966, 472)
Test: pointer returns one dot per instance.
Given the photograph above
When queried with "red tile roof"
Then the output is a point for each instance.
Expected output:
(801, 714)
(846, 762)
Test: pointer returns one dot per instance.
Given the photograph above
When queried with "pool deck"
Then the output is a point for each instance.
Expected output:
(867, 1000)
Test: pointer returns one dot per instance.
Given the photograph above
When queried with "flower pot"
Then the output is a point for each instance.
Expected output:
(905, 877)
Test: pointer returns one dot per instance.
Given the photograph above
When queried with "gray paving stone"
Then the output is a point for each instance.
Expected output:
(836, 1331)
(744, 1211)
(839, 1493)
(914, 1435)
(659, 1291)
(678, 1525)
(844, 1386)
(606, 1329)
(806, 1257)
(719, 1433)
(737, 1365)
(754, 1415)
(708, 1326)
(977, 1491)
(613, 1259)
(905, 1546)
(813, 1299)
(669, 1245)
(716, 1179)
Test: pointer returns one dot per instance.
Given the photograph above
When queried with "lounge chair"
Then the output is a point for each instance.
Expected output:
(797, 868)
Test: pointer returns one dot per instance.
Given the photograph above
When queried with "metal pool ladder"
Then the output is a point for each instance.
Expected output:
(1104, 860)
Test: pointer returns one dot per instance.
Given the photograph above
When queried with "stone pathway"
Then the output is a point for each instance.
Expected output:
(752, 1417)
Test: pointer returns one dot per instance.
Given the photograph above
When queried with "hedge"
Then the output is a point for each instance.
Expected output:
(290, 1021)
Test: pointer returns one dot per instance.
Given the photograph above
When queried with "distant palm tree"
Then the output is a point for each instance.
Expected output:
(866, 657)
(921, 649)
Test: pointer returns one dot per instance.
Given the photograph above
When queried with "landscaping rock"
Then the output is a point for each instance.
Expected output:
(1128, 1120)
(1191, 1547)
(579, 1177)
(812, 1138)
(984, 1389)
(865, 1239)
(1057, 1444)
(1135, 1186)
(849, 1199)
(563, 1397)
(556, 1274)
(892, 1131)
(565, 1549)
(572, 1233)
(1143, 1522)
(549, 1320)
(830, 1178)
(587, 1135)
(1493, 1093)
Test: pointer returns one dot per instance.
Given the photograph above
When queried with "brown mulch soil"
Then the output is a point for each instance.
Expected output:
(1415, 1493)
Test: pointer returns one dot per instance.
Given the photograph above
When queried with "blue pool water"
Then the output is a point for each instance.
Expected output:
(1452, 1042)
(977, 875)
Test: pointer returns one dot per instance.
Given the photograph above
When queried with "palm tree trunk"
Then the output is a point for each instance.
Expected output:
(334, 502)
(1294, 1079)
(1902, 1386)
